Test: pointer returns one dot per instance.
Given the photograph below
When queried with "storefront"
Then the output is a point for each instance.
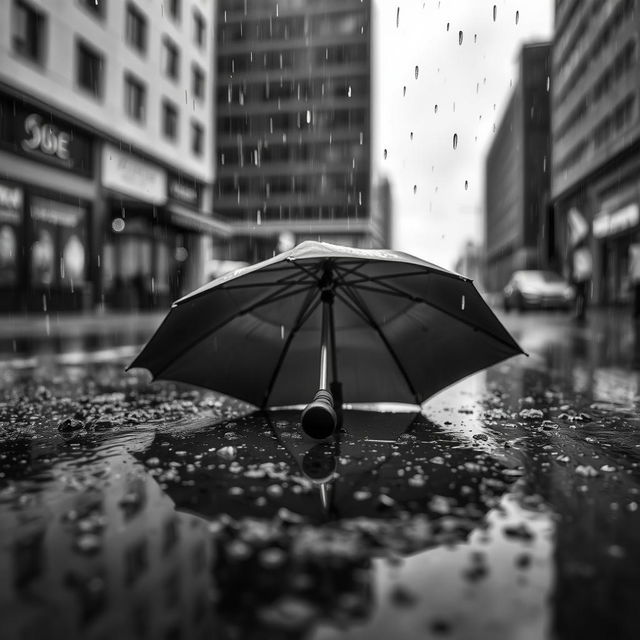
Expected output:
(46, 191)
(154, 235)
(614, 232)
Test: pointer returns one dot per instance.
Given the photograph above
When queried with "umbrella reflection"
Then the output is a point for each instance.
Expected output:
(297, 525)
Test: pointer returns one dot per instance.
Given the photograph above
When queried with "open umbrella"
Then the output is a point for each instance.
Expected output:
(392, 328)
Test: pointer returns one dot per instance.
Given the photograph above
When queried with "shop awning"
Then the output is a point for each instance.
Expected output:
(183, 217)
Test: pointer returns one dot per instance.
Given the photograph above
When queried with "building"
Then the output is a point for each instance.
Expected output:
(293, 130)
(106, 161)
(596, 134)
(517, 214)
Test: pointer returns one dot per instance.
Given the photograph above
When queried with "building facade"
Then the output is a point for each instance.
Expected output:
(596, 135)
(106, 155)
(293, 130)
(517, 176)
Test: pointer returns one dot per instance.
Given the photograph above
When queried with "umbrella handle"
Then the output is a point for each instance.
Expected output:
(319, 418)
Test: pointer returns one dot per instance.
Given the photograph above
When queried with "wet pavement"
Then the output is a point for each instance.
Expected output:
(507, 509)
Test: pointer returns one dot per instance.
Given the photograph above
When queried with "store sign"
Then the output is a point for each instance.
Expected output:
(11, 201)
(184, 191)
(30, 132)
(131, 176)
(59, 247)
(608, 224)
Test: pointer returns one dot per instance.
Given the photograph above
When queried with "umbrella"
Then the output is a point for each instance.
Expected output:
(392, 328)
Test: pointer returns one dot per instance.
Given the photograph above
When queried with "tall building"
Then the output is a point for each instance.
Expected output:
(596, 134)
(517, 212)
(106, 157)
(293, 131)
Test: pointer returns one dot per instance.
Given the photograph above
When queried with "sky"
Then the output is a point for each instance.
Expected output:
(444, 71)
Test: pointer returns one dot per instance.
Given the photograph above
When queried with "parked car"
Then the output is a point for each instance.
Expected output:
(536, 289)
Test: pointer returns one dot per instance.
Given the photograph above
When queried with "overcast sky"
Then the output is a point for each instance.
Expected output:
(465, 62)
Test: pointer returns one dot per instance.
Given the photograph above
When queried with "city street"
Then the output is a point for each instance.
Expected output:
(507, 509)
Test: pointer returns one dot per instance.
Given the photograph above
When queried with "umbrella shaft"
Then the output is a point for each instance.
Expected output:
(324, 346)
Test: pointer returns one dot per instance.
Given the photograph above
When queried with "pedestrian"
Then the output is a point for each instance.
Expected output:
(582, 270)
(634, 275)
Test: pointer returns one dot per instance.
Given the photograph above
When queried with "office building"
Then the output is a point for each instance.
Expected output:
(517, 212)
(106, 161)
(596, 135)
(293, 129)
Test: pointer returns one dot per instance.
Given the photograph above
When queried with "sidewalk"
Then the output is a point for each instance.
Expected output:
(65, 324)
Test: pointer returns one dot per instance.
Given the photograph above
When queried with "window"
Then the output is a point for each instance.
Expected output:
(97, 7)
(174, 9)
(199, 28)
(28, 32)
(89, 69)
(136, 29)
(135, 98)
(170, 59)
(197, 135)
(197, 82)
(169, 120)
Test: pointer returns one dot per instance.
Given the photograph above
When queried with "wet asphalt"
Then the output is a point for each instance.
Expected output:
(507, 508)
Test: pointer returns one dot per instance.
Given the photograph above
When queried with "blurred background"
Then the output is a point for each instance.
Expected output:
(147, 147)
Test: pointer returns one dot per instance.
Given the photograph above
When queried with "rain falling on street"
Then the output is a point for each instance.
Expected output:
(507, 508)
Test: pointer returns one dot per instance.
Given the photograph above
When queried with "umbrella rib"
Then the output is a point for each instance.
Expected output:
(308, 306)
(283, 293)
(391, 290)
(366, 314)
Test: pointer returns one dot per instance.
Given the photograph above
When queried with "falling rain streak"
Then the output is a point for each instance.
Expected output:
(495, 12)
(416, 72)
(517, 17)
(455, 140)
(460, 37)
(398, 17)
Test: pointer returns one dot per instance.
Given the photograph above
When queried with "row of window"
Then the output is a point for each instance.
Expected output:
(293, 58)
(350, 185)
(98, 8)
(624, 62)
(291, 212)
(303, 152)
(298, 89)
(613, 124)
(292, 27)
(294, 121)
(29, 26)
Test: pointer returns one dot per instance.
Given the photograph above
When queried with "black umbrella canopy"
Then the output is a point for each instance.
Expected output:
(404, 328)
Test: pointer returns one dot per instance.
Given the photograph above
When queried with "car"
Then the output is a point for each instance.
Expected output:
(537, 289)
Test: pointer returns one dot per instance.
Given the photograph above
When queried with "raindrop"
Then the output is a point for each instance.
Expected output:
(462, 304)
(416, 72)
(281, 332)
(466, 185)
(517, 17)
(398, 17)
(447, 26)
(495, 12)
(435, 108)
(385, 154)
(475, 38)
(415, 189)
(258, 217)
(548, 83)
(411, 135)
(404, 91)
(455, 140)
(460, 37)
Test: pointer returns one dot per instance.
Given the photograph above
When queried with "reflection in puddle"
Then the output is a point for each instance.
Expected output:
(245, 526)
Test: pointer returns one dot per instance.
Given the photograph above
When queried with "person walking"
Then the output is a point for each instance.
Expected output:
(581, 273)
(634, 275)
